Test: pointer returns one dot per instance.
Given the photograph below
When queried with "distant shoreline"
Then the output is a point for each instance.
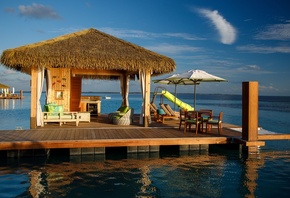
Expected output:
(201, 94)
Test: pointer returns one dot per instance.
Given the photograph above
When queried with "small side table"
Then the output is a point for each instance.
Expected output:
(84, 116)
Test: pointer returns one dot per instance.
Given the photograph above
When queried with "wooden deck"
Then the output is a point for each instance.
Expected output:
(13, 96)
(99, 134)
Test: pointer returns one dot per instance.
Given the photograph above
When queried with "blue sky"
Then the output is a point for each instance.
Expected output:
(243, 40)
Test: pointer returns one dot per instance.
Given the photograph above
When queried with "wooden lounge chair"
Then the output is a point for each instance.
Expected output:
(154, 111)
(167, 114)
(173, 113)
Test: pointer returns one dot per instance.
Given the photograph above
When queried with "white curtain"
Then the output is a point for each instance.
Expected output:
(48, 85)
(125, 89)
(40, 79)
(142, 84)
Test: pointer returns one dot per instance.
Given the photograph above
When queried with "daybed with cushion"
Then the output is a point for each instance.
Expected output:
(123, 116)
(55, 113)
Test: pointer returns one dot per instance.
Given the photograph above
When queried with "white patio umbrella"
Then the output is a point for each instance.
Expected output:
(191, 77)
(170, 80)
(173, 80)
(195, 77)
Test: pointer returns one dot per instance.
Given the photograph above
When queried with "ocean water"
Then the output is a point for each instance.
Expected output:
(220, 172)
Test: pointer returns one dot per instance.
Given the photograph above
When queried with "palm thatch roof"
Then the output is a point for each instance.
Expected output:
(87, 49)
(2, 86)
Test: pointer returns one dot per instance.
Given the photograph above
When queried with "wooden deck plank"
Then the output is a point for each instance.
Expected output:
(108, 137)
(46, 134)
(69, 136)
(104, 134)
(37, 135)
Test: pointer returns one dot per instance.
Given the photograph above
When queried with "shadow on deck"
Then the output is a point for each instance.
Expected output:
(102, 121)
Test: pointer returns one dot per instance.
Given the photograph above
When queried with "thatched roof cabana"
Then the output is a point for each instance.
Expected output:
(87, 49)
(84, 54)
(2, 86)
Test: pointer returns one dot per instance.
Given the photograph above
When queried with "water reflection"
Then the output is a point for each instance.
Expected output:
(194, 174)
(10, 104)
(36, 188)
(169, 177)
(252, 164)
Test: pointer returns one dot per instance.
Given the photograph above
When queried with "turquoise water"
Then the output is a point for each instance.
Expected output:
(220, 172)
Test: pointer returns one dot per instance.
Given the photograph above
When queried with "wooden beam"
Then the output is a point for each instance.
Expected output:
(97, 72)
(110, 143)
(249, 143)
(274, 137)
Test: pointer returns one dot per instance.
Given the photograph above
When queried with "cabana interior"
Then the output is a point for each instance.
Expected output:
(88, 54)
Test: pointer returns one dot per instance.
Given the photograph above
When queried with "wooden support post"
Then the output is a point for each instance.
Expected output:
(100, 150)
(184, 147)
(147, 98)
(124, 79)
(143, 149)
(154, 149)
(250, 115)
(132, 149)
(21, 94)
(33, 101)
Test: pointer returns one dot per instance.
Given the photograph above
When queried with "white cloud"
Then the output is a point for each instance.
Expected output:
(172, 49)
(4, 72)
(253, 69)
(267, 88)
(226, 31)
(38, 11)
(184, 36)
(275, 32)
(250, 68)
(264, 49)
(126, 33)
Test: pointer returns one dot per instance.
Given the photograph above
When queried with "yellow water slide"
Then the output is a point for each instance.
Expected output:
(177, 101)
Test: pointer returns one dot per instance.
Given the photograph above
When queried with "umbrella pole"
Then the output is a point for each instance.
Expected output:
(194, 96)
(175, 97)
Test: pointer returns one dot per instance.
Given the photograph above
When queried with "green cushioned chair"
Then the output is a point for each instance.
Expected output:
(215, 120)
(120, 112)
(192, 118)
(125, 119)
(53, 109)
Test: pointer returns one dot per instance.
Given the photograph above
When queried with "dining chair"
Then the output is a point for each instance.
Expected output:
(192, 118)
(182, 114)
(206, 114)
(215, 120)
